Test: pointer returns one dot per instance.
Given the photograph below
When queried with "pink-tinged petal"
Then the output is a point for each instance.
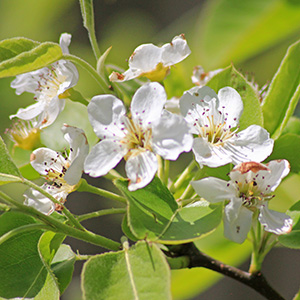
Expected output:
(145, 57)
(274, 221)
(175, 51)
(43, 159)
(171, 136)
(237, 221)
(103, 157)
(208, 155)
(140, 169)
(147, 103)
(38, 201)
(29, 112)
(214, 189)
(79, 149)
(190, 99)
(127, 75)
(230, 105)
(105, 114)
(64, 42)
(252, 144)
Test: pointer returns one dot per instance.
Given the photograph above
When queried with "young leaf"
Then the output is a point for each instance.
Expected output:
(154, 214)
(252, 113)
(62, 266)
(292, 239)
(21, 55)
(283, 93)
(6, 164)
(140, 272)
(287, 147)
(22, 273)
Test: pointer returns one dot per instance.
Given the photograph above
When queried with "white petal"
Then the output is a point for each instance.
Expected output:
(171, 136)
(231, 105)
(252, 144)
(175, 51)
(79, 149)
(195, 96)
(51, 112)
(42, 159)
(105, 112)
(69, 71)
(278, 170)
(140, 169)
(274, 221)
(29, 112)
(208, 155)
(145, 58)
(214, 189)
(147, 103)
(103, 157)
(237, 221)
(64, 42)
(27, 82)
(38, 201)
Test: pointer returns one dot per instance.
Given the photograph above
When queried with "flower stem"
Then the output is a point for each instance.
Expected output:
(103, 212)
(57, 226)
(165, 175)
(85, 65)
(65, 211)
(189, 191)
(86, 187)
(184, 175)
(22, 229)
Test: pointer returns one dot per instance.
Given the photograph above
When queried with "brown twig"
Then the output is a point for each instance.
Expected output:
(198, 259)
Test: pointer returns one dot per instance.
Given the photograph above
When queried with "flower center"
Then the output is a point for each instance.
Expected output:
(24, 135)
(158, 74)
(49, 85)
(137, 138)
(211, 125)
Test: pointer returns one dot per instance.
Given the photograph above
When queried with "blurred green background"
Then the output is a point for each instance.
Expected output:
(252, 34)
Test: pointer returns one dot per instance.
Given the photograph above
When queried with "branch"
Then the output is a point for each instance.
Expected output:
(254, 280)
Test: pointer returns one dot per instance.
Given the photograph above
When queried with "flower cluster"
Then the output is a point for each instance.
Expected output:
(201, 121)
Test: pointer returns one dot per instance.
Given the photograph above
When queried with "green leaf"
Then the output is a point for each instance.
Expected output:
(233, 30)
(252, 113)
(154, 214)
(287, 147)
(138, 273)
(6, 164)
(22, 273)
(283, 93)
(292, 126)
(292, 239)
(101, 61)
(20, 55)
(62, 266)
(49, 291)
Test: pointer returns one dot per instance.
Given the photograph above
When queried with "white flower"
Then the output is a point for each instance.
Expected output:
(61, 172)
(214, 120)
(200, 77)
(154, 62)
(50, 88)
(150, 131)
(249, 189)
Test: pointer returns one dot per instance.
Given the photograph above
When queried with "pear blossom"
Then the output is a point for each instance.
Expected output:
(61, 172)
(214, 121)
(200, 78)
(249, 190)
(149, 131)
(50, 87)
(24, 134)
(154, 62)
